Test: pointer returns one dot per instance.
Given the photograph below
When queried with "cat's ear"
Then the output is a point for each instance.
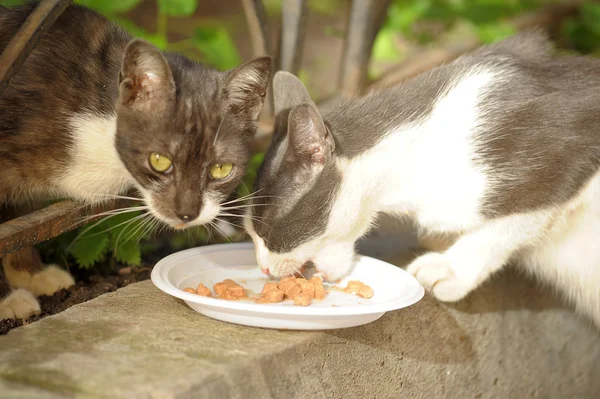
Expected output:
(288, 91)
(246, 87)
(309, 138)
(145, 81)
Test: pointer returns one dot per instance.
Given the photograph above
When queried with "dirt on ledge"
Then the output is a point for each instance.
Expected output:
(88, 288)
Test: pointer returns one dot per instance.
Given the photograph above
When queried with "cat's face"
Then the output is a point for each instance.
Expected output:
(184, 131)
(292, 221)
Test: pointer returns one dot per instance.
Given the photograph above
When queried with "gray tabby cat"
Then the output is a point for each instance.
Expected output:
(500, 147)
(93, 113)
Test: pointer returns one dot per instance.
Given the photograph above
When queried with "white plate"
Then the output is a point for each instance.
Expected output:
(393, 289)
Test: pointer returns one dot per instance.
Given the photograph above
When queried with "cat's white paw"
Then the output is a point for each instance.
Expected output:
(436, 273)
(50, 280)
(20, 304)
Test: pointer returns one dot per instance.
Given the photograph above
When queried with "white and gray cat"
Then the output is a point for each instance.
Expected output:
(93, 113)
(500, 148)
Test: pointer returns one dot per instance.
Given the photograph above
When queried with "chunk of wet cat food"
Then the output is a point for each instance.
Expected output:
(290, 287)
(303, 299)
(306, 287)
(359, 288)
(229, 290)
(203, 290)
(270, 294)
(317, 283)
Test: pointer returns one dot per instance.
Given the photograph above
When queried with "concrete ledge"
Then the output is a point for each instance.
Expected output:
(507, 340)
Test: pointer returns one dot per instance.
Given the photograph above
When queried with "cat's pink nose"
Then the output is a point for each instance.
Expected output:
(265, 271)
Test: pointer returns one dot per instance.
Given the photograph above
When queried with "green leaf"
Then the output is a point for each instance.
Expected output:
(384, 48)
(126, 228)
(590, 16)
(177, 8)
(129, 253)
(217, 47)
(88, 250)
(158, 40)
(109, 7)
(11, 3)
(402, 14)
(489, 33)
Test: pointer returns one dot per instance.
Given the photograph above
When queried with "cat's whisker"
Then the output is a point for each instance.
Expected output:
(243, 197)
(117, 197)
(255, 218)
(126, 227)
(112, 227)
(138, 228)
(148, 230)
(213, 224)
(156, 226)
(249, 197)
(243, 206)
(110, 213)
(99, 222)
(260, 221)
(229, 223)
(209, 232)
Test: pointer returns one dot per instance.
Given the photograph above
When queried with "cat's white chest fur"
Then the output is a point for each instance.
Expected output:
(96, 169)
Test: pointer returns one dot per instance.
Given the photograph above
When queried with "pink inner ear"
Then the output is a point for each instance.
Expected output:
(152, 77)
(316, 154)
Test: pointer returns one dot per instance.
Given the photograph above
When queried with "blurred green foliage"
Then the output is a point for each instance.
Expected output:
(211, 43)
(582, 32)
(424, 21)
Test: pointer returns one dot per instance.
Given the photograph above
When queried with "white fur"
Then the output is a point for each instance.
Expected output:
(210, 210)
(95, 169)
(569, 255)
(20, 304)
(45, 282)
(50, 280)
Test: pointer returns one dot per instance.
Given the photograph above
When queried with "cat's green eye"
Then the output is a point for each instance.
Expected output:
(220, 171)
(160, 163)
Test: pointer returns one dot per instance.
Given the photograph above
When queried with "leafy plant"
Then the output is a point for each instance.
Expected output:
(582, 32)
(423, 21)
(116, 238)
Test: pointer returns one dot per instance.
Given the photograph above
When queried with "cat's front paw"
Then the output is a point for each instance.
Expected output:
(20, 304)
(436, 273)
(50, 280)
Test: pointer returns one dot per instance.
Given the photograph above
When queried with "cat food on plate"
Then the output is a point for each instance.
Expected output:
(393, 289)
(271, 294)
(201, 290)
(297, 289)
(359, 288)
(229, 290)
